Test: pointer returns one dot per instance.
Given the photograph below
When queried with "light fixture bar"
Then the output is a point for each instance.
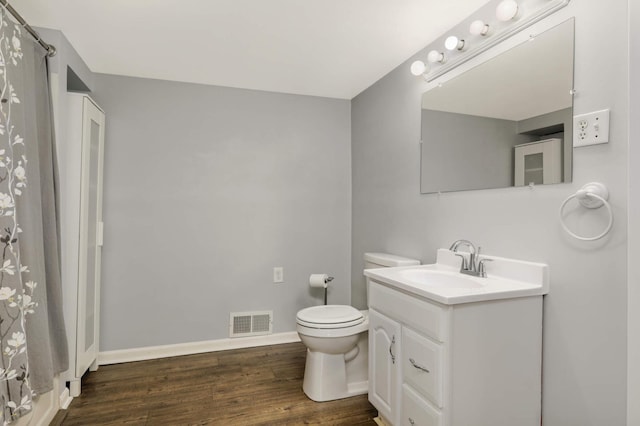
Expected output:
(487, 44)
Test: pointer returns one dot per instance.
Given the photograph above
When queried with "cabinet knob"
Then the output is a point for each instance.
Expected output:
(411, 421)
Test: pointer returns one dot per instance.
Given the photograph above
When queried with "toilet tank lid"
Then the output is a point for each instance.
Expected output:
(385, 259)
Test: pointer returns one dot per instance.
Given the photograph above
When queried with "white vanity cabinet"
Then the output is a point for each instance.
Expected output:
(462, 364)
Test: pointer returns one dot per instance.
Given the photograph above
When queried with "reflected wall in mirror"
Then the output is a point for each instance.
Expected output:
(506, 122)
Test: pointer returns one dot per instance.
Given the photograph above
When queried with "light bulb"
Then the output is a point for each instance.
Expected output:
(479, 28)
(453, 43)
(507, 10)
(435, 56)
(418, 68)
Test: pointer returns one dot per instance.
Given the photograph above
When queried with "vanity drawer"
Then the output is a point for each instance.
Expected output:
(426, 317)
(422, 365)
(416, 411)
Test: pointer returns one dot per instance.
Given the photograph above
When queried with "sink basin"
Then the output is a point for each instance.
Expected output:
(442, 281)
(432, 278)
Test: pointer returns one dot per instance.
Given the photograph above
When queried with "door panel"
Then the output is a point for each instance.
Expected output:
(90, 240)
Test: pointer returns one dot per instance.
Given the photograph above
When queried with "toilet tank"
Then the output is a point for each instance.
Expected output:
(385, 260)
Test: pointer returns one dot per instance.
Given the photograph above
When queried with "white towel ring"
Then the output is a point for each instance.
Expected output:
(592, 196)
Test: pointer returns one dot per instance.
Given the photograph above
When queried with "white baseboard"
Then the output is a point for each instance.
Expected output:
(45, 407)
(65, 398)
(165, 351)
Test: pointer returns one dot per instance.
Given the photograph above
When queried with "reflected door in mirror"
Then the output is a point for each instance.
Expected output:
(538, 163)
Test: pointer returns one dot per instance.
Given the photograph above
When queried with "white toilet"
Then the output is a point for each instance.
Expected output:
(337, 342)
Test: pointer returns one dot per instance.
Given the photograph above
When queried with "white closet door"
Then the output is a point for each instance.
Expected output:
(538, 163)
(90, 237)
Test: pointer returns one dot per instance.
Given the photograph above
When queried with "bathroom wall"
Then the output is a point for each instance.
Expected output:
(633, 409)
(484, 146)
(206, 190)
(585, 325)
(66, 57)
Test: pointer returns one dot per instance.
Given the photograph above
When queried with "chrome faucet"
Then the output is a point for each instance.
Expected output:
(474, 266)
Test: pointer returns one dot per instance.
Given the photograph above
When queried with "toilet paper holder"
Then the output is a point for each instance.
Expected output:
(328, 280)
(320, 280)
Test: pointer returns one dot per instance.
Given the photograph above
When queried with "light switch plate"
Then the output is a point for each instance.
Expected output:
(278, 274)
(591, 128)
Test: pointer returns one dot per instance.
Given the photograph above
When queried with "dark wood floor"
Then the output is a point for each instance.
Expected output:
(257, 386)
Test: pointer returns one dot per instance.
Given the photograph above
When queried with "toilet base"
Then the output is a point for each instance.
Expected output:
(325, 378)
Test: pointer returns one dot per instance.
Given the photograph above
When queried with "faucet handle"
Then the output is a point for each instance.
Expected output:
(482, 270)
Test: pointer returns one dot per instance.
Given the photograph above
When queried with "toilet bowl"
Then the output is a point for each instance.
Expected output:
(336, 341)
(336, 337)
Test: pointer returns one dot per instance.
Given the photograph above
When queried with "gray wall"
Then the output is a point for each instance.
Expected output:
(585, 330)
(206, 190)
(634, 219)
(480, 147)
(66, 57)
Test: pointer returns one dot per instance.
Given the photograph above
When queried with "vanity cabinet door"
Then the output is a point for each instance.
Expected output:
(384, 365)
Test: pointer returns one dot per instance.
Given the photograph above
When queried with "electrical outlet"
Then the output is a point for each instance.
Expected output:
(591, 128)
(278, 274)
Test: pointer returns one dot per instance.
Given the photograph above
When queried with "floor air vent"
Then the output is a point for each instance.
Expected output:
(242, 324)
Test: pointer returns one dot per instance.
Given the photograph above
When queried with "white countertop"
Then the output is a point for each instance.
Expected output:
(506, 279)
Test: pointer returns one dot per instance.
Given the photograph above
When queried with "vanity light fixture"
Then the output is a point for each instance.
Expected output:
(515, 18)
(478, 27)
(419, 68)
(507, 10)
(454, 43)
(435, 56)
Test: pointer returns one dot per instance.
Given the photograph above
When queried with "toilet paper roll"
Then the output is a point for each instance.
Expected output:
(319, 280)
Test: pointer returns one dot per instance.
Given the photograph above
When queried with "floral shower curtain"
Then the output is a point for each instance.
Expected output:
(32, 335)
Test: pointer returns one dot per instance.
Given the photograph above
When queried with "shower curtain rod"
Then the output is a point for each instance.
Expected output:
(50, 48)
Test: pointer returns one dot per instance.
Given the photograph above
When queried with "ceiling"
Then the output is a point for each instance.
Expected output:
(330, 48)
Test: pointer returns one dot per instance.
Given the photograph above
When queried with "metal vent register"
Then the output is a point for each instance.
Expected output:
(256, 323)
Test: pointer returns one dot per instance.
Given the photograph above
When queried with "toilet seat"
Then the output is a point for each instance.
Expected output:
(329, 317)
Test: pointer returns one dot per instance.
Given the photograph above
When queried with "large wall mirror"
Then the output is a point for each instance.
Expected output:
(506, 122)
